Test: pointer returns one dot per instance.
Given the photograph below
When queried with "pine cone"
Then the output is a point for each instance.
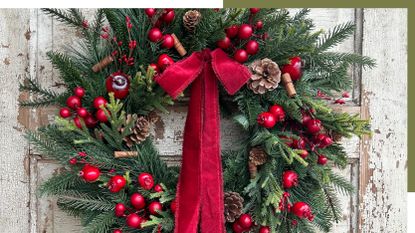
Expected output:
(139, 132)
(191, 19)
(266, 75)
(257, 156)
(234, 204)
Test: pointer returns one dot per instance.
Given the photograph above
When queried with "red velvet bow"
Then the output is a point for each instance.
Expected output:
(200, 188)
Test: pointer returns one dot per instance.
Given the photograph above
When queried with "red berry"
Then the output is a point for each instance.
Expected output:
(303, 154)
(168, 42)
(146, 181)
(277, 111)
(323, 140)
(150, 12)
(245, 32)
(259, 25)
(302, 210)
(264, 229)
(232, 31)
(90, 121)
(173, 206)
(237, 228)
(254, 10)
(225, 43)
(306, 118)
(119, 209)
(138, 201)
(119, 84)
(65, 112)
(266, 120)
(155, 35)
(73, 161)
(322, 160)
(117, 231)
(327, 141)
(116, 183)
(293, 68)
(99, 101)
(155, 208)
(241, 56)
(313, 126)
(79, 91)
(82, 112)
(155, 68)
(133, 220)
(73, 102)
(299, 144)
(245, 221)
(90, 173)
(158, 188)
(289, 179)
(252, 47)
(77, 122)
(101, 116)
(164, 61)
(168, 17)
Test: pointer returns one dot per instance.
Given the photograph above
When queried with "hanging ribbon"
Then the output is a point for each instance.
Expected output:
(200, 187)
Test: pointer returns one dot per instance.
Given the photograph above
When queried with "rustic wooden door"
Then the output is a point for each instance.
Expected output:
(377, 164)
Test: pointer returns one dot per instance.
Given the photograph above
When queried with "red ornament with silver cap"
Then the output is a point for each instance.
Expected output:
(119, 84)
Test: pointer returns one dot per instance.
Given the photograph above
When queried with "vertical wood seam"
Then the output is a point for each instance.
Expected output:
(358, 43)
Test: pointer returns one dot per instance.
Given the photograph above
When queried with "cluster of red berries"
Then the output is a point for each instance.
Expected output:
(155, 35)
(269, 119)
(244, 224)
(299, 209)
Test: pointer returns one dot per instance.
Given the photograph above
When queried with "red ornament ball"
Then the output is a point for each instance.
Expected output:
(293, 68)
(155, 35)
(237, 228)
(79, 91)
(138, 201)
(73, 102)
(302, 210)
(264, 229)
(90, 121)
(313, 126)
(117, 231)
(245, 32)
(225, 43)
(322, 160)
(90, 173)
(101, 116)
(134, 220)
(150, 12)
(232, 31)
(99, 101)
(252, 47)
(245, 221)
(77, 122)
(277, 111)
(146, 181)
(266, 120)
(65, 112)
(116, 183)
(164, 61)
(241, 55)
(168, 17)
(155, 208)
(82, 112)
(158, 188)
(119, 84)
(259, 24)
(254, 10)
(289, 179)
(168, 42)
(173, 206)
(119, 209)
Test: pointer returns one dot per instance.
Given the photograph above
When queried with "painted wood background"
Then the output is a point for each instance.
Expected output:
(378, 164)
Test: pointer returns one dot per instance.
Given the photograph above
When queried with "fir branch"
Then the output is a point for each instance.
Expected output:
(335, 36)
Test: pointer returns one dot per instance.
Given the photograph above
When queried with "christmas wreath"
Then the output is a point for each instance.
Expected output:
(267, 69)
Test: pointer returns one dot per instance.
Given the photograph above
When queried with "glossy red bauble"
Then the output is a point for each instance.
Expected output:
(150, 12)
(293, 68)
(168, 17)
(99, 101)
(322, 160)
(119, 84)
(245, 221)
(173, 206)
(232, 31)
(138, 201)
(164, 61)
(146, 181)
(119, 209)
(82, 112)
(168, 42)
(225, 43)
(90, 121)
(302, 210)
(277, 111)
(90, 173)
(313, 126)
(237, 228)
(266, 120)
(264, 229)
(158, 188)
(252, 47)
(241, 55)
(101, 116)
(245, 31)
(134, 220)
(116, 183)
(254, 10)
(155, 35)
(155, 207)
(79, 91)
(289, 179)
(259, 24)
(77, 122)
(73, 102)
(65, 112)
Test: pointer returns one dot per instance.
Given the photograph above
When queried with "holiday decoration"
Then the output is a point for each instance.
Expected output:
(277, 178)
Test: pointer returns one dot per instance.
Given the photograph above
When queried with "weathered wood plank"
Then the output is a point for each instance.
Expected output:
(14, 169)
(383, 172)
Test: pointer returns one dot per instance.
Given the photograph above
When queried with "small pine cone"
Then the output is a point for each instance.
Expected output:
(191, 19)
(234, 204)
(257, 156)
(336, 137)
(139, 132)
(266, 75)
(152, 117)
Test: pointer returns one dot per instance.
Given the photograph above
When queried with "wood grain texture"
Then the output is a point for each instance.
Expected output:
(383, 172)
